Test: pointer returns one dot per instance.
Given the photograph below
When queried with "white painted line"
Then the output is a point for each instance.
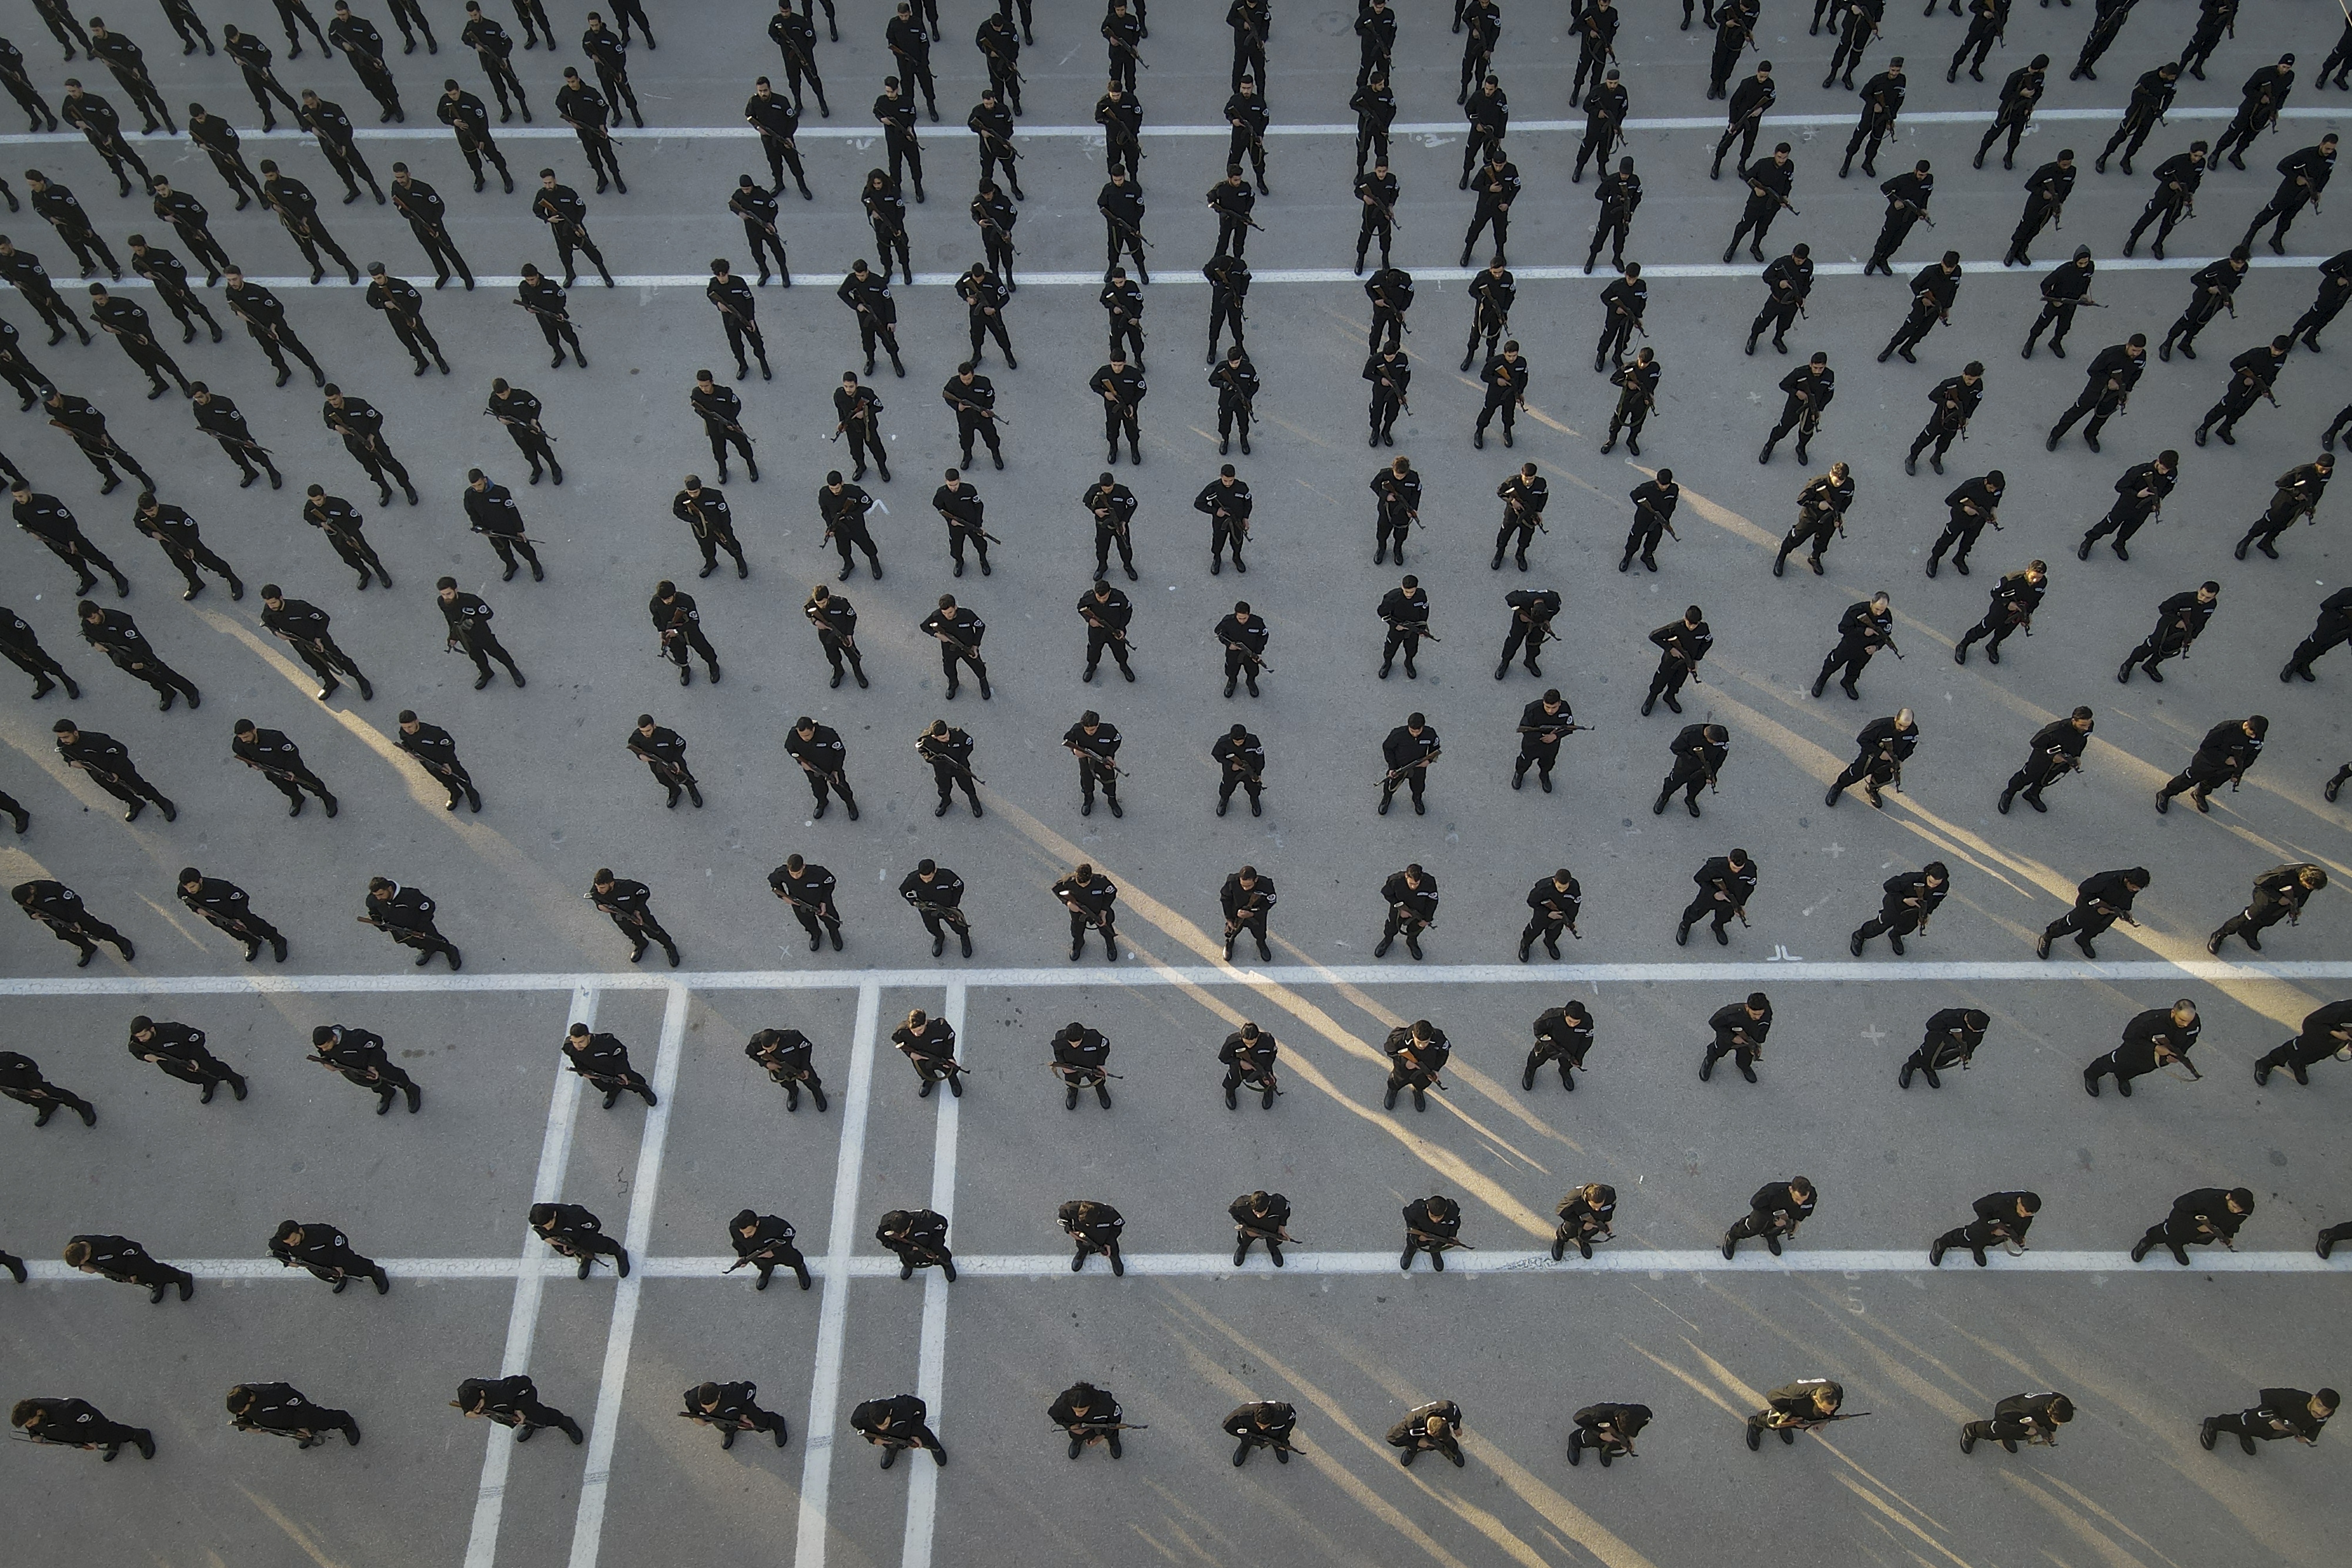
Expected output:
(588, 1531)
(1037, 1266)
(1269, 977)
(833, 1312)
(1187, 278)
(522, 1317)
(932, 1361)
(821, 131)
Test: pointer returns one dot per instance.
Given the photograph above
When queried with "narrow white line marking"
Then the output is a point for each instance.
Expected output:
(522, 1318)
(1323, 275)
(1195, 1265)
(945, 133)
(588, 1531)
(1268, 976)
(930, 1374)
(833, 1312)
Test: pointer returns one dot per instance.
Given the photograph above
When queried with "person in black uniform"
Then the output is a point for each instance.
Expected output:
(2279, 894)
(184, 544)
(1497, 185)
(1951, 406)
(603, 1062)
(663, 751)
(405, 914)
(2066, 289)
(24, 650)
(2252, 375)
(1726, 882)
(2099, 902)
(23, 269)
(757, 208)
(1638, 398)
(2230, 747)
(1745, 112)
(1096, 745)
(1681, 644)
(2046, 191)
(282, 1410)
(1933, 290)
(359, 1056)
(2012, 607)
(360, 425)
(280, 760)
(1619, 194)
(327, 1253)
(540, 295)
(1249, 1054)
(2326, 1032)
(1866, 626)
(591, 117)
(935, 891)
(1089, 896)
(2151, 97)
(1907, 900)
(919, 1237)
(1810, 388)
(1524, 496)
(900, 1422)
(1237, 383)
(1432, 1225)
(2199, 1218)
(126, 1263)
(818, 748)
(21, 1080)
(1409, 751)
(298, 210)
(1492, 292)
(127, 324)
(47, 519)
(576, 1233)
(1543, 724)
(707, 513)
(1241, 765)
(1411, 896)
(2021, 1418)
(305, 626)
(78, 1424)
(28, 378)
(1227, 502)
(566, 217)
(1417, 1054)
(1698, 752)
(958, 633)
(1434, 1425)
(2278, 1413)
(1881, 748)
(2333, 627)
(1774, 1212)
(2180, 619)
(959, 507)
(1248, 897)
(1112, 504)
(1262, 1423)
(794, 36)
(1770, 181)
(630, 905)
(1095, 1228)
(2021, 94)
(1740, 1029)
(2212, 289)
(1821, 507)
(431, 746)
(2001, 1218)
(513, 1402)
(108, 763)
(732, 1407)
(786, 1055)
(1390, 375)
(2156, 1038)
(1532, 613)
(1951, 1040)
(1121, 202)
(1606, 1431)
(1563, 1034)
(2296, 494)
(218, 417)
(1972, 506)
(180, 1051)
(492, 510)
(495, 49)
(764, 1241)
(1654, 511)
(1405, 609)
(2177, 178)
(2056, 751)
(1088, 1415)
(427, 217)
(835, 620)
(80, 418)
(1081, 1057)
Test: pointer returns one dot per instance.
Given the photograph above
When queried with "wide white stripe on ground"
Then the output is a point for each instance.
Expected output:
(824, 283)
(1620, 1258)
(931, 1359)
(833, 1312)
(1791, 971)
(588, 1531)
(522, 1317)
(819, 131)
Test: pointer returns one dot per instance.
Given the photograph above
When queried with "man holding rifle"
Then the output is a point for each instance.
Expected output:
(2100, 901)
